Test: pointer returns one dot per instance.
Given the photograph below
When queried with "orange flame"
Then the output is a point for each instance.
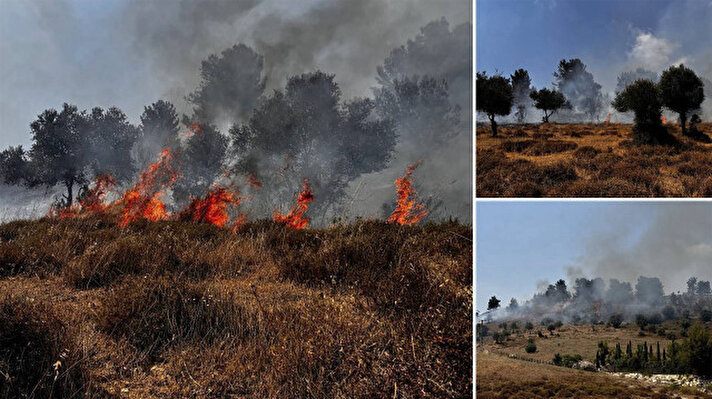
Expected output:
(193, 128)
(253, 181)
(663, 119)
(90, 202)
(295, 218)
(608, 119)
(213, 207)
(408, 211)
(143, 199)
(93, 199)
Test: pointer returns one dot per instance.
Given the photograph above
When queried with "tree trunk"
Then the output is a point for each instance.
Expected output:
(683, 122)
(546, 117)
(70, 192)
(494, 126)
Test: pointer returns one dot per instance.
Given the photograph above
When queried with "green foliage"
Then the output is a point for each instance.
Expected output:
(615, 320)
(706, 315)
(15, 166)
(682, 91)
(643, 97)
(641, 321)
(493, 303)
(549, 101)
(531, 346)
(699, 348)
(494, 97)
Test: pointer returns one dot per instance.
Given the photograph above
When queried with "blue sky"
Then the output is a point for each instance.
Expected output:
(520, 244)
(536, 34)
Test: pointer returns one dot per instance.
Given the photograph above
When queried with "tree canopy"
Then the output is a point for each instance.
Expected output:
(579, 88)
(643, 98)
(549, 101)
(521, 88)
(230, 85)
(682, 91)
(494, 97)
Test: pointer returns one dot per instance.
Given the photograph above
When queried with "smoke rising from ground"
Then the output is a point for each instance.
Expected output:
(132, 54)
(676, 245)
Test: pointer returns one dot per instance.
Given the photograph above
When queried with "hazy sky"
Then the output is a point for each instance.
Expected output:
(132, 53)
(521, 245)
(608, 36)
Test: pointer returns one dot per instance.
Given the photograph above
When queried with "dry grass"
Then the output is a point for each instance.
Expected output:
(176, 309)
(575, 339)
(587, 160)
(499, 377)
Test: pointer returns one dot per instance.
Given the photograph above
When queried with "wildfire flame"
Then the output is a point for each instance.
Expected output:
(193, 128)
(143, 201)
(90, 202)
(213, 207)
(608, 119)
(663, 119)
(295, 218)
(93, 199)
(408, 210)
(253, 181)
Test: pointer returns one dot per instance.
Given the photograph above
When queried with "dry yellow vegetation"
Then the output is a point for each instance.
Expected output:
(589, 160)
(177, 309)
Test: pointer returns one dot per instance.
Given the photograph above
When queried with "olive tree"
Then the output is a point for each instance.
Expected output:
(494, 97)
(682, 92)
(549, 101)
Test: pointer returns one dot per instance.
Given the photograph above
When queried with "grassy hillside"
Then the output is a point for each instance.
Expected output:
(175, 309)
(586, 160)
(499, 377)
(577, 339)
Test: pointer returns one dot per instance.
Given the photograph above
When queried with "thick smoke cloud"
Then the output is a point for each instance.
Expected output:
(131, 54)
(676, 245)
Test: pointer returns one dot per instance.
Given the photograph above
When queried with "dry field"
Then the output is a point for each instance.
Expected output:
(176, 309)
(499, 377)
(589, 160)
(576, 339)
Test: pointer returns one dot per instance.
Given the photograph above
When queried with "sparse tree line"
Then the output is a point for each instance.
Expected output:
(304, 130)
(575, 91)
(692, 354)
(591, 300)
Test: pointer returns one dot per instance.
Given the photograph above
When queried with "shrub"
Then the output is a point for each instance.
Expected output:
(641, 321)
(531, 346)
(615, 320)
(557, 360)
(570, 360)
(706, 315)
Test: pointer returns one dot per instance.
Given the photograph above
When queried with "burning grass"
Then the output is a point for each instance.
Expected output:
(178, 309)
(553, 160)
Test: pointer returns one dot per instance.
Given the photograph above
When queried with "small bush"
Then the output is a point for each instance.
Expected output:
(706, 315)
(615, 320)
(531, 346)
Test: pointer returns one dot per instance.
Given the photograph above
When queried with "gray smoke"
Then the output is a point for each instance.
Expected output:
(676, 245)
(131, 54)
